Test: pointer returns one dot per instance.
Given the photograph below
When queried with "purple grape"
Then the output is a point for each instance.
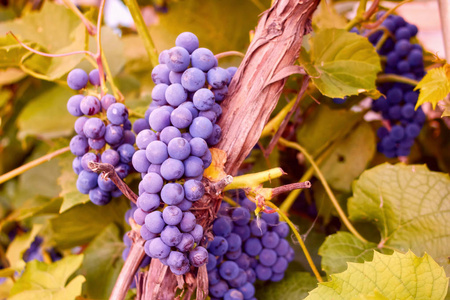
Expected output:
(117, 113)
(169, 133)
(154, 222)
(163, 57)
(76, 165)
(247, 290)
(176, 259)
(158, 249)
(159, 119)
(139, 125)
(188, 222)
(126, 152)
(99, 197)
(152, 183)
(188, 41)
(139, 216)
(158, 94)
(156, 152)
(172, 193)
(252, 246)
(73, 105)
(223, 226)
(203, 59)
(203, 99)
(242, 231)
(172, 215)
(148, 202)
(212, 262)
(97, 144)
(234, 242)
(209, 114)
(219, 289)
(107, 100)
(105, 184)
(140, 161)
(94, 77)
(193, 166)
(185, 205)
(197, 233)
(228, 270)
(282, 248)
(267, 257)
(160, 74)
(263, 273)
(87, 180)
(186, 243)
(171, 235)
(198, 257)
(79, 145)
(90, 105)
(193, 190)
(189, 105)
(201, 127)
(193, 79)
(88, 157)
(220, 94)
(172, 169)
(218, 77)
(216, 135)
(77, 79)
(280, 265)
(179, 148)
(110, 156)
(181, 117)
(175, 77)
(114, 134)
(144, 138)
(179, 59)
(198, 146)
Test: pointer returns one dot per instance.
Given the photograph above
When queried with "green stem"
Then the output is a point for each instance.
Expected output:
(359, 15)
(322, 179)
(117, 94)
(143, 31)
(273, 125)
(299, 239)
(32, 164)
(98, 55)
(89, 26)
(396, 78)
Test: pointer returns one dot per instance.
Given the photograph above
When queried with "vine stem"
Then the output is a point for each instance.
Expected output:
(229, 53)
(32, 164)
(359, 15)
(143, 31)
(322, 179)
(300, 240)
(48, 54)
(396, 78)
(98, 55)
(89, 26)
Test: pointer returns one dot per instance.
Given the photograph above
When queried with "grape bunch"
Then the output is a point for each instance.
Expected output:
(110, 141)
(246, 249)
(173, 142)
(404, 58)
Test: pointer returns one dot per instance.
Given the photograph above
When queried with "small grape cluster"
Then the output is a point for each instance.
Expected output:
(244, 250)
(397, 106)
(173, 151)
(94, 134)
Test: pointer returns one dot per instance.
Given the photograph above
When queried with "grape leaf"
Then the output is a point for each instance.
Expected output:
(343, 247)
(18, 247)
(46, 115)
(326, 16)
(341, 63)
(295, 285)
(55, 28)
(67, 181)
(396, 276)
(434, 86)
(102, 263)
(350, 157)
(80, 224)
(408, 205)
(49, 281)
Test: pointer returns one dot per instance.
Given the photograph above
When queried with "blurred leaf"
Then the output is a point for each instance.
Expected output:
(434, 86)
(102, 263)
(219, 25)
(343, 247)
(295, 285)
(327, 17)
(396, 276)
(19, 245)
(341, 63)
(67, 181)
(46, 115)
(49, 281)
(80, 224)
(11, 52)
(409, 206)
(55, 28)
(350, 157)
(11, 75)
(5, 288)
(324, 126)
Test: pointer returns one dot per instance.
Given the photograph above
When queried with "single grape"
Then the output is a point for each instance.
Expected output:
(148, 202)
(193, 79)
(282, 248)
(218, 246)
(139, 216)
(216, 135)
(97, 144)
(140, 161)
(234, 242)
(175, 77)
(186, 243)
(223, 226)
(94, 77)
(79, 145)
(159, 94)
(197, 233)
(267, 257)
(110, 156)
(181, 117)
(193, 166)
(247, 290)
(201, 127)
(156, 152)
(270, 239)
(220, 94)
(172, 193)
(258, 227)
(219, 289)
(218, 77)
(171, 235)
(90, 105)
(188, 222)
(203, 99)
(228, 270)
(189, 105)
(77, 79)
(158, 249)
(73, 105)
(172, 215)
(176, 259)
(88, 157)
(144, 138)
(117, 113)
(160, 74)
(159, 119)
(107, 100)
(262, 272)
(203, 59)
(280, 265)
(152, 183)
(154, 222)
(188, 41)
(172, 169)
(242, 231)
(198, 257)
(126, 152)
(99, 197)
(252, 246)
(179, 59)
(185, 205)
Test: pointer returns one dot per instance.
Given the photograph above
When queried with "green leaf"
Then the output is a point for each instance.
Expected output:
(295, 285)
(350, 157)
(343, 247)
(46, 115)
(341, 63)
(102, 263)
(434, 86)
(80, 224)
(67, 181)
(396, 276)
(324, 126)
(11, 52)
(408, 205)
(327, 17)
(18, 247)
(55, 28)
(49, 281)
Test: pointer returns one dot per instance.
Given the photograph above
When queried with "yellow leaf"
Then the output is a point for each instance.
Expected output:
(215, 171)
(434, 86)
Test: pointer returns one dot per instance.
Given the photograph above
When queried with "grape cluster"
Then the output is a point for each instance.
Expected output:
(404, 58)
(173, 142)
(244, 250)
(94, 134)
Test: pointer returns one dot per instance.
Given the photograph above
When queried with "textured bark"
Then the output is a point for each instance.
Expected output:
(252, 93)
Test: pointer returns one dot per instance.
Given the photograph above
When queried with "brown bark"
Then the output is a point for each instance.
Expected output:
(253, 94)
(252, 97)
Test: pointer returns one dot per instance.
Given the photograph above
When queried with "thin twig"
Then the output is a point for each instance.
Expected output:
(89, 26)
(109, 172)
(285, 122)
(98, 55)
(47, 54)
(229, 53)
(290, 187)
(396, 78)
(326, 186)
(32, 164)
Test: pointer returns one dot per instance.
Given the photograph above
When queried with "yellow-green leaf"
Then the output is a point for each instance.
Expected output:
(18, 247)
(396, 276)
(341, 63)
(434, 86)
